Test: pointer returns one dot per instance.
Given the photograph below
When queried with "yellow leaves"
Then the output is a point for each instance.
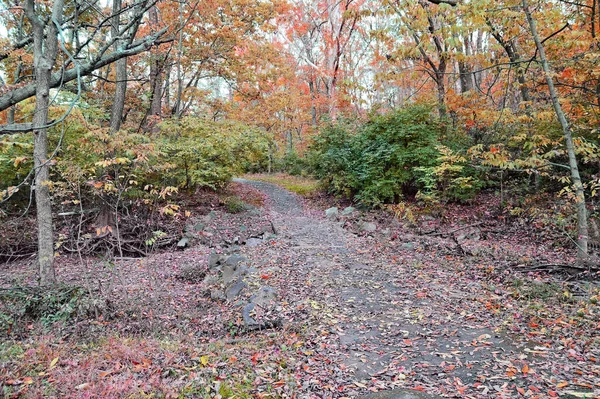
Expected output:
(115, 161)
(103, 230)
(204, 360)
(168, 191)
(53, 363)
(169, 210)
(19, 160)
(8, 192)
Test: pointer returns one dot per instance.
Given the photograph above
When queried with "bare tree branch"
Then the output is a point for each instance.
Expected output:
(22, 93)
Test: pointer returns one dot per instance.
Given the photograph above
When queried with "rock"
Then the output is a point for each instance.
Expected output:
(248, 319)
(183, 242)
(348, 210)
(228, 274)
(264, 296)
(217, 295)
(399, 394)
(214, 260)
(212, 215)
(253, 242)
(210, 279)
(199, 227)
(269, 236)
(233, 249)
(408, 246)
(368, 227)
(235, 259)
(331, 213)
(232, 271)
(234, 289)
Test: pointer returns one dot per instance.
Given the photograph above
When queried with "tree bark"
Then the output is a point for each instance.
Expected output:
(582, 226)
(116, 114)
(514, 57)
(45, 51)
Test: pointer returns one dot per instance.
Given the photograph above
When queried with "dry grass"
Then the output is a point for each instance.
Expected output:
(304, 186)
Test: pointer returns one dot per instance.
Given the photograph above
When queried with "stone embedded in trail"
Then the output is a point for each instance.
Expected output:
(214, 260)
(269, 236)
(217, 295)
(235, 259)
(247, 317)
(235, 289)
(265, 296)
(199, 227)
(368, 227)
(331, 213)
(183, 242)
(348, 210)
(212, 215)
(253, 242)
(399, 394)
(264, 306)
(231, 273)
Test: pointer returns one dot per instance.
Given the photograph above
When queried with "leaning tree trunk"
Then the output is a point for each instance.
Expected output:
(45, 50)
(582, 227)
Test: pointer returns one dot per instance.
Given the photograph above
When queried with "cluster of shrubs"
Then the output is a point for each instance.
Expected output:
(402, 154)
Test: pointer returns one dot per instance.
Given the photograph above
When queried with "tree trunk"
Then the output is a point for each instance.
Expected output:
(466, 76)
(45, 50)
(582, 227)
(116, 115)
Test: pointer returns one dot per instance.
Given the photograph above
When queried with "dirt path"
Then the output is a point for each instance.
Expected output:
(388, 320)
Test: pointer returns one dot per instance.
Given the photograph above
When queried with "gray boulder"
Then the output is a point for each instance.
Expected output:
(331, 213)
(235, 289)
(235, 259)
(199, 227)
(253, 242)
(348, 210)
(265, 297)
(217, 295)
(368, 227)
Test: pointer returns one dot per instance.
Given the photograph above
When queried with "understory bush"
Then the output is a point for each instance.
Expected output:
(120, 188)
(208, 154)
(48, 305)
(390, 157)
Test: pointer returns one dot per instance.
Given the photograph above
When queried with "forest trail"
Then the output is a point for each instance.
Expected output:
(389, 319)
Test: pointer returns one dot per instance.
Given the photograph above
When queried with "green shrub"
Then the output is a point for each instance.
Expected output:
(207, 154)
(291, 163)
(377, 164)
(44, 304)
(234, 204)
(392, 156)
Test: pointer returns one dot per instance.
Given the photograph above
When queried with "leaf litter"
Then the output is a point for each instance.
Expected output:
(363, 312)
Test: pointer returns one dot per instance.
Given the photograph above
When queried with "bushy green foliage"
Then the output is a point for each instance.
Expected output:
(451, 179)
(392, 156)
(48, 305)
(207, 154)
(234, 204)
(291, 163)
(377, 164)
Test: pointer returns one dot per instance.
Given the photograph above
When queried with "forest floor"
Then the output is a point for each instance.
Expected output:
(363, 304)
